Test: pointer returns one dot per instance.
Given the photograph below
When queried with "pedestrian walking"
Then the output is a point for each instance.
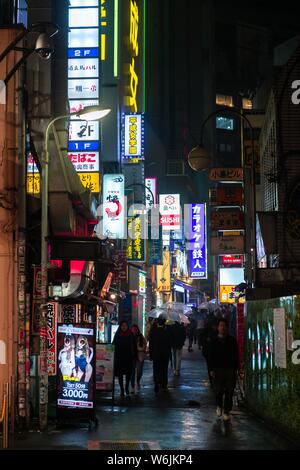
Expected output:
(141, 345)
(160, 351)
(223, 364)
(201, 324)
(125, 355)
(178, 336)
(210, 333)
(191, 332)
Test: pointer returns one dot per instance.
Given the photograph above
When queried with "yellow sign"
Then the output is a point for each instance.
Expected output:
(131, 90)
(163, 274)
(90, 181)
(136, 247)
(33, 183)
(229, 296)
(103, 28)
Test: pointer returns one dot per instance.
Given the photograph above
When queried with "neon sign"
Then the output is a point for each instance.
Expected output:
(133, 46)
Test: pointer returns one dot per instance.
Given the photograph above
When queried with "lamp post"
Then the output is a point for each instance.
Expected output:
(199, 160)
(91, 113)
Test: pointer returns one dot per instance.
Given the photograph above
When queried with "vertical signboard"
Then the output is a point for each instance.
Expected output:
(76, 366)
(163, 274)
(104, 367)
(198, 242)
(136, 245)
(151, 192)
(170, 212)
(113, 206)
(51, 337)
(133, 137)
(84, 88)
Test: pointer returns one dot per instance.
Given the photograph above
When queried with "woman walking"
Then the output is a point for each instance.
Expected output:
(141, 345)
(125, 355)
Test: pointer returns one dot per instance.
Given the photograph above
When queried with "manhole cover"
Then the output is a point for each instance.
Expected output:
(122, 445)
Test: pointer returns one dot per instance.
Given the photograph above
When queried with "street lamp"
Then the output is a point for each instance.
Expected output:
(88, 113)
(199, 160)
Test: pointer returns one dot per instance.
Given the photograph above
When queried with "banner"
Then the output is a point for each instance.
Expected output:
(52, 337)
(113, 206)
(226, 174)
(227, 220)
(227, 245)
(136, 246)
(104, 367)
(170, 211)
(163, 274)
(197, 243)
(76, 366)
(133, 137)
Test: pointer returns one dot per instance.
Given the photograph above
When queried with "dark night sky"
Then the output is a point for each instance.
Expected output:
(282, 18)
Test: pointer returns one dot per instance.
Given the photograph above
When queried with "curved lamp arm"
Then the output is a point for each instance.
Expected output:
(226, 110)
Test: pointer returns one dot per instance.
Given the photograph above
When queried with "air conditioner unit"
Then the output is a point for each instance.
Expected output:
(175, 167)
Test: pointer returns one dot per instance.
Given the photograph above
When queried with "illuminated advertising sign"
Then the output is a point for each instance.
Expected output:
(83, 68)
(85, 161)
(84, 88)
(136, 246)
(151, 192)
(198, 242)
(170, 212)
(90, 181)
(33, 183)
(228, 295)
(142, 282)
(226, 174)
(113, 206)
(81, 131)
(133, 137)
(163, 274)
(227, 196)
(231, 259)
(132, 82)
(80, 88)
(227, 220)
(52, 337)
(76, 366)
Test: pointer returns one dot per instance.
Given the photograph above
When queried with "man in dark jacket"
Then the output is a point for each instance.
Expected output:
(210, 334)
(160, 351)
(178, 335)
(223, 362)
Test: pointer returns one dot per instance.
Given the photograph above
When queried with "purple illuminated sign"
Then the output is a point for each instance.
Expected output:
(197, 245)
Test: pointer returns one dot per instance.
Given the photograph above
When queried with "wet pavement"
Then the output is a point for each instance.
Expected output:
(181, 419)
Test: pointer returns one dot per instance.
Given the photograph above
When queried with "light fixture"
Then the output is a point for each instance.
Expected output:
(113, 296)
(199, 159)
(92, 113)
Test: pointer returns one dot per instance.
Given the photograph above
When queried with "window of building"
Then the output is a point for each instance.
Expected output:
(225, 148)
(224, 123)
(225, 100)
(247, 104)
(22, 12)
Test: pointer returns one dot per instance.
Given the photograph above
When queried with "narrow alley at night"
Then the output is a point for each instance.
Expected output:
(149, 230)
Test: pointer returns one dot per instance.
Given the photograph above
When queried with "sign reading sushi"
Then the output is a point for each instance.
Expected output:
(84, 87)
(198, 244)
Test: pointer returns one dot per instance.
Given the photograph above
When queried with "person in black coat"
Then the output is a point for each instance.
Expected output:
(125, 355)
(223, 361)
(178, 336)
(160, 351)
(210, 334)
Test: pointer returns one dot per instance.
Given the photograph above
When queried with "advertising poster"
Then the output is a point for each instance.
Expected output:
(104, 367)
(75, 366)
(113, 206)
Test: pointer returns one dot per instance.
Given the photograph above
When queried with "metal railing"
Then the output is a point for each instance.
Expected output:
(4, 417)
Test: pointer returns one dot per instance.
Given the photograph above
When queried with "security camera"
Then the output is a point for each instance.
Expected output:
(44, 46)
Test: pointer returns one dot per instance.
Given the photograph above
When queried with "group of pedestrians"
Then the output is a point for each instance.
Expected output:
(164, 344)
